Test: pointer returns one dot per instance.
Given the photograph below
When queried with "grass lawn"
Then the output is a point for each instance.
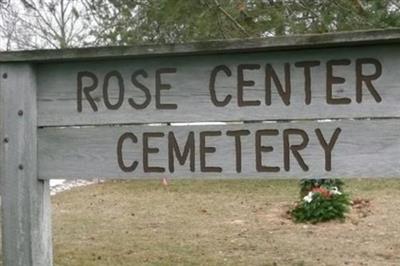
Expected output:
(220, 223)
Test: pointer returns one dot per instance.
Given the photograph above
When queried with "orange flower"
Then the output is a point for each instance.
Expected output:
(323, 191)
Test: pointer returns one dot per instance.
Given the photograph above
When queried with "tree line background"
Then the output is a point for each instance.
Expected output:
(38, 24)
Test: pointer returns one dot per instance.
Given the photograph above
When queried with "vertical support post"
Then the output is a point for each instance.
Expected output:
(25, 200)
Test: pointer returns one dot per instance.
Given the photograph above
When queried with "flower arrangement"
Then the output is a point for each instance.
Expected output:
(320, 200)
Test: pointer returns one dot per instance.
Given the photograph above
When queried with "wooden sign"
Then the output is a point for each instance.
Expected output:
(290, 107)
(342, 84)
(361, 148)
(275, 85)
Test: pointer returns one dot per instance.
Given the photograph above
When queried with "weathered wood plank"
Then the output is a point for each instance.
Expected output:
(363, 148)
(337, 39)
(185, 94)
(26, 225)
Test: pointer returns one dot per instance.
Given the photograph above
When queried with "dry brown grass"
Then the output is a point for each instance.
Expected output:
(220, 223)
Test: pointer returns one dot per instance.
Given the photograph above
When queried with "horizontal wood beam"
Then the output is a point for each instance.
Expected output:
(367, 148)
(340, 39)
(316, 84)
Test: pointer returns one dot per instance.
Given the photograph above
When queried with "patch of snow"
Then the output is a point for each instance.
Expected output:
(56, 182)
(59, 185)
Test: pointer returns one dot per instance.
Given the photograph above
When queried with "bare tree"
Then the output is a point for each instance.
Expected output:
(36, 24)
(8, 25)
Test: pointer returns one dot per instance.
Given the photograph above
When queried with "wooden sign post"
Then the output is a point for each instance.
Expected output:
(288, 107)
(25, 200)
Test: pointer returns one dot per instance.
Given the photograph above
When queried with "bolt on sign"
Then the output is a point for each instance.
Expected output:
(288, 107)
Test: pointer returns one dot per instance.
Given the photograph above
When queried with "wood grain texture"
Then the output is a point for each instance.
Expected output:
(364, 148)
(337, 39)
(26, 219)
(57, 82)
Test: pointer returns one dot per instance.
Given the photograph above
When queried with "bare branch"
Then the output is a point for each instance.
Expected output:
(232, 19)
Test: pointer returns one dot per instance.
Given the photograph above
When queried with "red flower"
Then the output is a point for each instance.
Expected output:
(323, 191)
